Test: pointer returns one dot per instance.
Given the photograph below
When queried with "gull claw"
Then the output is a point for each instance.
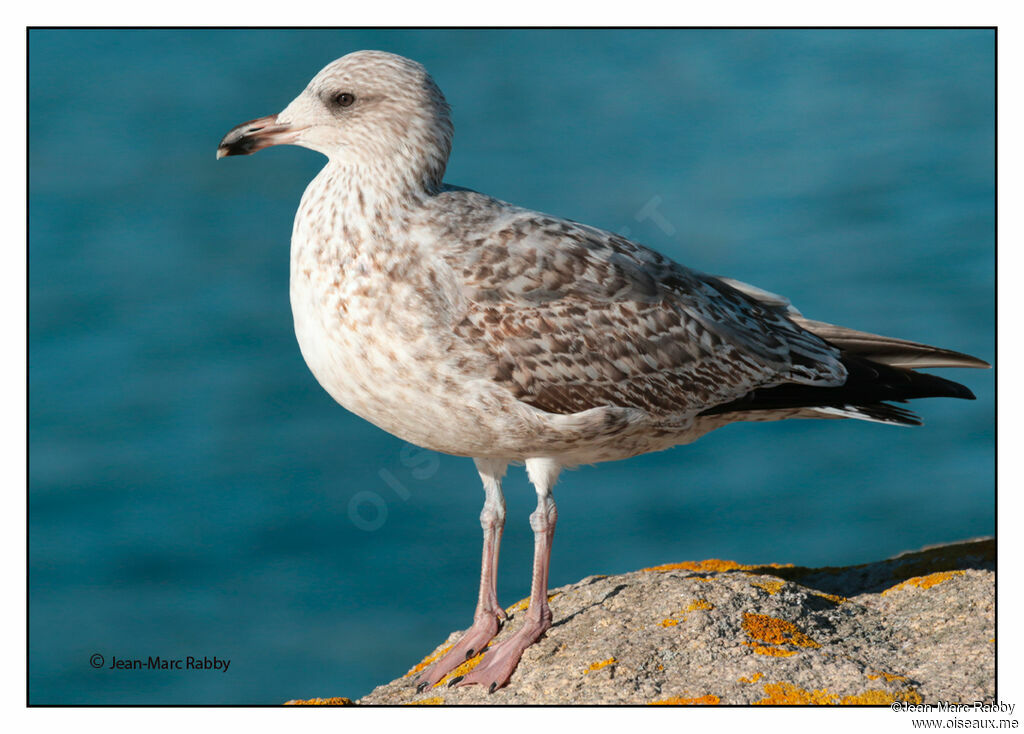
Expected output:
(495, 670)
(484, 628)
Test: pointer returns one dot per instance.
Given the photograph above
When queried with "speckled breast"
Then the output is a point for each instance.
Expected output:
(378, 349)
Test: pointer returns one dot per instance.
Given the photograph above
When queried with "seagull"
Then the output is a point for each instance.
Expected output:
(473, 327)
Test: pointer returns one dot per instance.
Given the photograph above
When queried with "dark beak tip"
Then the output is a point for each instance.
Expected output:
(228, 149)
(251, 136)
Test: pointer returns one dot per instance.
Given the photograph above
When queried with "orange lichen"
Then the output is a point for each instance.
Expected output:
(889, 677)
(903, 567)
(336, 701)
(463, 668)
(694, 606)
(708, 700)
(752, 679)
(925, 582)
(772, 587)
(788, 694)
(775, 631)
(519, 606)
(910, 696)
(598, 666)
(433, 701)
(775, 652)
(524, 604)
(834, 598)
(428, 660)
(876, 697)
(712, 565)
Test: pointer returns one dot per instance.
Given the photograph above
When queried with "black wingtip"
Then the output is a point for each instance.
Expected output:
(868, 385)
(944, 388)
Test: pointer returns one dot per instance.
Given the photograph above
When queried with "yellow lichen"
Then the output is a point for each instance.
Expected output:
(889, 677)
(524, 604)
(433, 701)
(775, 631)
(337, 701)
(752, 679)
(712, 565)
(428, 660)
(772, 587)
(910, 696)
(834, 598)
(925, 582)
(903, 567)
(519, 606)
(788, 694)
(695, 605)
(775, 652)
(598, 666)
(463, 668)
(876, 697)
(708, 700)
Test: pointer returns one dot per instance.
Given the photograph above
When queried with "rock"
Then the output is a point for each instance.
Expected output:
(915, 628)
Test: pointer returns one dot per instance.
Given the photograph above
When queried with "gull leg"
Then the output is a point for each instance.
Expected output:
(489, 614)
(499, 663)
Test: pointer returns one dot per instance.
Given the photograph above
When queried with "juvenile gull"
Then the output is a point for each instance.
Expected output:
(470, 326)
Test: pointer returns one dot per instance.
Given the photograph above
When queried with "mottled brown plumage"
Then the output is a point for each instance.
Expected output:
(572, 318)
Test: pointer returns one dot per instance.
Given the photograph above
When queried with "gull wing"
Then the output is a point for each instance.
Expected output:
(571, 317)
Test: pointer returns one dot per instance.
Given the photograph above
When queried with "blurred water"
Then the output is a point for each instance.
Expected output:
(191, 486)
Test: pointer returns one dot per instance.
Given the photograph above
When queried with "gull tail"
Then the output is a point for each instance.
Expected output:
(880, 370)
(886, 349)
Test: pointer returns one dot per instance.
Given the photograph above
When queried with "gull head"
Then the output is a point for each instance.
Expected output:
(371, 111)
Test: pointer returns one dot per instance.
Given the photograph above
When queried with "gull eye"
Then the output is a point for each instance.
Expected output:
(344, 99)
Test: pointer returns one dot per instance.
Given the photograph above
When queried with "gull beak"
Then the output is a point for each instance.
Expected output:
(247, 138)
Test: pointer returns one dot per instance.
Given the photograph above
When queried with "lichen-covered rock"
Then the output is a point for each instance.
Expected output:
(916, 628)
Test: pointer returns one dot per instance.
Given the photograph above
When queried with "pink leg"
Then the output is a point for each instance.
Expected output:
(500, 662)
(489, 614)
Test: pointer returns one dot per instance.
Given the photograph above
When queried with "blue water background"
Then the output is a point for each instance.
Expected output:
(191, 486)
